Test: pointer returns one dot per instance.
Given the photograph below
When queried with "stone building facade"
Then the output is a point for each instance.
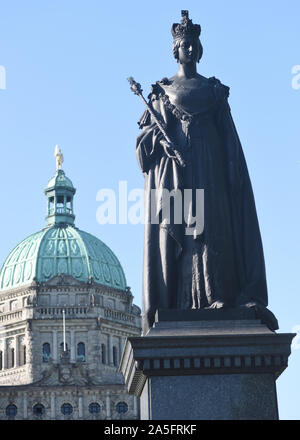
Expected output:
(65, 313)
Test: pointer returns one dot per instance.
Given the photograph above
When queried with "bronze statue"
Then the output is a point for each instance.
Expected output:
(189, 141)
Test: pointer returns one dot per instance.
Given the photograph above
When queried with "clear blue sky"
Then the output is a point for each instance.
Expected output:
(66, 65)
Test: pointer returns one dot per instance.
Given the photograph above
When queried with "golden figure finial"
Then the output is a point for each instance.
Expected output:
(59, 157)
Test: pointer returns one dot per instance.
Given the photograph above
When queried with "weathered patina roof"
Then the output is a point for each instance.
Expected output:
(61, 248)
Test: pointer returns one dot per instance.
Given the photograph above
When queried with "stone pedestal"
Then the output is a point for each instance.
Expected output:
(206, 365)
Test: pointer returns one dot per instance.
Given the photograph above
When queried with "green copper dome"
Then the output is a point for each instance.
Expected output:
(61, 248)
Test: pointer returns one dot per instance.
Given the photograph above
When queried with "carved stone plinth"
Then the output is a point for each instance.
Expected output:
(210, 369)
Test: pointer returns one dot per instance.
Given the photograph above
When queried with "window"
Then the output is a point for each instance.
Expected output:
(23, 355)
(62, 347)
(69, 205)
(81, 351)
(94, 408)
(122, 407)
(11, 358)
(63, 299)
(60, 204)
(51, 205)
(82, 300)
(13, 305)
(1, 360)
(115, 356)
(66, 409)
(38, 409)
(43, 300)
(46, 352)
(103, 353)
(11, 410)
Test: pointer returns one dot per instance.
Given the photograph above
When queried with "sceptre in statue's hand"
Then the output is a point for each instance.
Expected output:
(166, 143)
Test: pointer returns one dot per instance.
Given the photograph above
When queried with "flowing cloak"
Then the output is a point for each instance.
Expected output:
(230, 253)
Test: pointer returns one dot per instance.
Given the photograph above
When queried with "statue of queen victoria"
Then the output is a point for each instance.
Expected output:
(222, 265)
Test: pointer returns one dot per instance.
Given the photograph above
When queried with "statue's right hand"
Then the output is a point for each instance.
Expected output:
(168, 147)
(171, 152)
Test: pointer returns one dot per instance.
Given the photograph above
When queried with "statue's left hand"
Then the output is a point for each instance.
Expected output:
(171, 152)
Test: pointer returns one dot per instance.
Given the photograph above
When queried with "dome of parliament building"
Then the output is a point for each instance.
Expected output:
(65, 313)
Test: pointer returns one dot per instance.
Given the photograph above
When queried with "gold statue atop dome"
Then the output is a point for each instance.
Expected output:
(59, 157)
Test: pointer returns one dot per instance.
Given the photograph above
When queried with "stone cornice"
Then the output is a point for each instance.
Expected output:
(207, 354)
(118, 315)
(15, 293)
(106, 329)
(108, 389)
(13, 371)
(69, 283)
(17, 328)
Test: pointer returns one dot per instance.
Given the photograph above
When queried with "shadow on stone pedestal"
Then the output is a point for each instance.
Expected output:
(206, 365)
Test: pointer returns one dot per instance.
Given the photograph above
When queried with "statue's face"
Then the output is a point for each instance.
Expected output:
(187, 50)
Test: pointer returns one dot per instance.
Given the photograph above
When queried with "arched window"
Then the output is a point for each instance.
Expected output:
(46, 352)
(23, 355)
(115, 356)
(38, 410)
(81, 351)
(122, 407)
(66, 409)
(103, 353)
(94, 408)
(11, 358)
(1, 360)
(62, 347)
(11, 410)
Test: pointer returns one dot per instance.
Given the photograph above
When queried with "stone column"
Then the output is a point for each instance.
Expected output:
(25, 407)
(73, 347)
(108, 409)
(17, 352)
(52, 405)
(9, 358)
(80, 407)
(54, 348)
(31, 372)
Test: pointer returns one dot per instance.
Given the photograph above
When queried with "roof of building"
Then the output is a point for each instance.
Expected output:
(61, 249)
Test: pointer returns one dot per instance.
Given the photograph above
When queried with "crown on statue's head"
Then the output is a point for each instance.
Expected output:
(185, 28)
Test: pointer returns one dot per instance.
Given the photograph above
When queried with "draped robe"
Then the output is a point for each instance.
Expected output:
(225, 262)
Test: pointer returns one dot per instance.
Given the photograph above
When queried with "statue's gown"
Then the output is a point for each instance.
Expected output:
(225, 262)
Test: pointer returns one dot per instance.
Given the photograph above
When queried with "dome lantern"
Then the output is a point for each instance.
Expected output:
(60, 192)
